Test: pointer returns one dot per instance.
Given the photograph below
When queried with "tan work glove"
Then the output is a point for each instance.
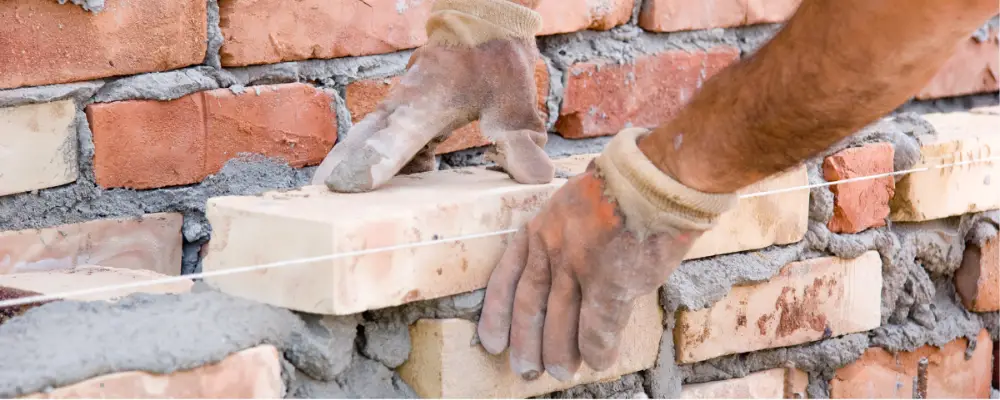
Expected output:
(565, 288)
(478, 63)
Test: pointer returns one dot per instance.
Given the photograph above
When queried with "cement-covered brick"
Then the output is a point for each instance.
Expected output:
(685, 15)
(250, 373)
(978, 279)
(861, 204)
(974, 67)
(807, 301)
(564, 16)
(271, 31)
(967, 184)
(444, 363)
(363, 97)
(37, 146)
(151, 242)
(146, 144)
(881, 374)
(777, 383)
(92, 277)
(603, 97)
(43, 42)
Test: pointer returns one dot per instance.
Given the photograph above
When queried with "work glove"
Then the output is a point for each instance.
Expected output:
(478, 63)
(564, 289)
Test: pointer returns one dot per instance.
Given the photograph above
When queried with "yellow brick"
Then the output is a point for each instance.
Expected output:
(768, 384)
(37, 146)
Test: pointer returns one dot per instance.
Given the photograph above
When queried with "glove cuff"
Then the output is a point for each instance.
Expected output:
(651, 200)
(473, 22)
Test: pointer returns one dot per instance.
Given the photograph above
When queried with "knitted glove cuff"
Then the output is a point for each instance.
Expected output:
(473, 22)
(651, 200)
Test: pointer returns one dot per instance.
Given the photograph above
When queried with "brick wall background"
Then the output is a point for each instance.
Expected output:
(119, 120)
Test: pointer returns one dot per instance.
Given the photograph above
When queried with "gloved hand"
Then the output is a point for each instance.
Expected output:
(478, 63)
(565, 288)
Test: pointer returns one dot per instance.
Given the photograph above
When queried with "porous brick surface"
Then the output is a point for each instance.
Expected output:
(777, 383)
(602, 97)
(37, 146)
(862, 204)
(563, 16)
(251, 373)
(93, 277)
(807, 301)
(151, 242)
(43, 42)
(959, 179)
(145, 144)
(978, 279)
(685, 15)
(443, 363)
(950, 374)
(974, 67)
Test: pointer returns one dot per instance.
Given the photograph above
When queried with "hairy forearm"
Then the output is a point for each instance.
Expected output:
(835, 67)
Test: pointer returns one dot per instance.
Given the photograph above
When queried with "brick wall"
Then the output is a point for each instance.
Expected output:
(136, 139)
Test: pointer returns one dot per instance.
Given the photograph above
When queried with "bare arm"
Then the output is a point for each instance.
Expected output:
(837, 66)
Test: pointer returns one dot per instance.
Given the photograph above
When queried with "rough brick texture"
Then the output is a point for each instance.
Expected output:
(43, 42)
(973, 68)
(880, 374)
(861, 204)
(37, 146)
(939, 192)
(152, 242)
(978, 279)
(563, 16)
(250, 373)
(443, 364)
(768, 384)
(270, 31)
(92, 277)
(145, 144)
(806, 301)
(684, 15)
(602, 98)
(362, 97)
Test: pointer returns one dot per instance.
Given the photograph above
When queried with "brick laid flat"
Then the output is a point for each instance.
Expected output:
(43, 42)
(978, 279)
(805, 302)
(444, 364)
(685, 15)
(768, 384)
(151, 242)
(251, 373)
(564, 16)
(959, 189)
(37, 146)
(92, 277)
(881, 374)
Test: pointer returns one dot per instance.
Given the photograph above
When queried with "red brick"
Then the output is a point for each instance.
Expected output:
(973, 68)
(602, 98)
(144, 144)
(862, 204)
(563, 16)
(684, 15)
(880, 374)
(270, 31)
(43, 42)
(978, 279)
(362, 97)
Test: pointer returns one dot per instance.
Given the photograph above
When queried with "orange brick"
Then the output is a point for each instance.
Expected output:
(880, 374)
(146, 144)
(270, 31)
(43, 42)
(862, 204)
(152, 242)
(563, 16)
(362, 97)
(685, 15)
(973, 68)
(602, 98)
(978, 279)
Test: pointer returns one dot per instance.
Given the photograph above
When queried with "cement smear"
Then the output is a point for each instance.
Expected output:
(943, 321)
(79, 92)
(94, 6)
(215, 39)
(663, 381)
(626, 387)
(163, 86)
(991, 321)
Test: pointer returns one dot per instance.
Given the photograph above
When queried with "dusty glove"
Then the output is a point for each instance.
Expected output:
(565, 288)
(478, 63)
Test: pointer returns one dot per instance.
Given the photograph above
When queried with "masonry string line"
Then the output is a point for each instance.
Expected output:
(355, 253)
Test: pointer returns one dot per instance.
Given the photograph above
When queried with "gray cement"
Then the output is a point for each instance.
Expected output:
(991, 321)
(215, 38)
(94, 6)
(663, 381)
(163, 86)
(626, 387)
(941, 322)
(79, 92)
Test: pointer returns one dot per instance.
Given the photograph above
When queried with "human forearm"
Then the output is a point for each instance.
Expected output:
(837, 66)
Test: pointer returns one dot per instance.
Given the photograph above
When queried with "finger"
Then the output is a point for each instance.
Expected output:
(498, 304)
(603, 317)
(530, 302)
(355, 140)
(521, 157)
(560, 347)
(425, 159)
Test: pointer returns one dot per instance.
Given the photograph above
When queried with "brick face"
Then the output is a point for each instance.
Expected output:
(978, 278)
(563, 16)
(778, 383)
(974, 67)
(43, 42)
(862, 204)
(91, 277)
(146, 144)
(685, 15)
(602, 98)
(37, 146)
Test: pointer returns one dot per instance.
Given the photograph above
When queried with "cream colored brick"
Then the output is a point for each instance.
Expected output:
(962, 137)
(807, 301)
(92, 277)
(768, 384)
(251, 373)
(152, 242)
(37, 146)
(444, 363)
